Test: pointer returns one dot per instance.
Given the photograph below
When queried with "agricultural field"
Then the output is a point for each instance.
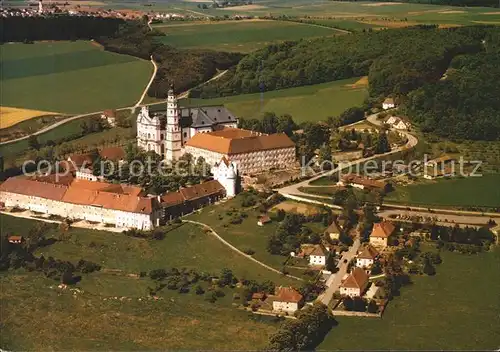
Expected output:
(13, 116)
(28, 126)
(95, 319)
(445, 311)
(70, 77)
(69, 130)
(308, 103)
(240, 36)
(461, 192)
(376, 14)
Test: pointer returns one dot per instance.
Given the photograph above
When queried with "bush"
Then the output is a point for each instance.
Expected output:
(248, 251)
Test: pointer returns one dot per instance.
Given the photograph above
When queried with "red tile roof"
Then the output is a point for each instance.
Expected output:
(112, 153)
(288, 294)
(360, 180)
(356, 279)
(382, 229)
(109, 113)
(232, 141)
(368, 252)
(28, 187)
(100, 194)
(194, 192)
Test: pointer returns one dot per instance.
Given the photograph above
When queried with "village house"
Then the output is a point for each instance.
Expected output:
(366, 257)
(264, 219)
(109, 116)
(355, 284)
(388, 104)
(287, 300)
(316, 254)
(440, 167)
(15, 239)
(362, 182)
(397, 123)
(380, 233)
(333, 231)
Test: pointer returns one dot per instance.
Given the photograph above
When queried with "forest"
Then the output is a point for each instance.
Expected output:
(398, 62)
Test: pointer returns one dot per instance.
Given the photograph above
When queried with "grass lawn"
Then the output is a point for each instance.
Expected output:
(455, 310)
(187, 246)
(239, 36)
(93, 321)
(70, 77)
(471, 191)
(96, 320)
(247, 235)
(309, 103)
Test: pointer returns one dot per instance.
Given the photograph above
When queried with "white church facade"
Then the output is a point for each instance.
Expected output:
(166, 132)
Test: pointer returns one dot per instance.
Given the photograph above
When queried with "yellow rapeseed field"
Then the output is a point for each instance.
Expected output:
(11, 116)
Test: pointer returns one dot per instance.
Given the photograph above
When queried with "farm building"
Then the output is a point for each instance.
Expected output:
(380, 233)
(355, 284)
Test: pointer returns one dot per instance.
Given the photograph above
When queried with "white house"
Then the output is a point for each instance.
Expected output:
(388, 104)
(286, 300)
(110, 117)
(397, 123)
(333, 231)
(316, 254)
(355, 284)
(380, 233)
(366, 257)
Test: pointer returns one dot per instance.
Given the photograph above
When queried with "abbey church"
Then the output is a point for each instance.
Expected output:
(166, 132)
(211, 133)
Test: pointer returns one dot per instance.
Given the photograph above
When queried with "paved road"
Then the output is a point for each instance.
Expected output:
(334, 281)
(294, 189)
(155, 69)
(212, 231)
(443, 218)
(217, 76)
(76, 117)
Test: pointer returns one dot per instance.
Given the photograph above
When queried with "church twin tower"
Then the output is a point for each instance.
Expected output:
(162, 137)
(173, 139)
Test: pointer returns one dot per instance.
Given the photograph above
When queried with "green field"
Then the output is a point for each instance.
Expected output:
(96, 320)
(472, 191)
(239, 36)
(455, 310)
(70, 77)
(247, 235)
(308, 103)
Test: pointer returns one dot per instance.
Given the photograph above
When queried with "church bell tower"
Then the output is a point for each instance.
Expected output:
(173, 141)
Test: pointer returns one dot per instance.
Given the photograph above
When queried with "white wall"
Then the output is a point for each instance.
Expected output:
(288, 307)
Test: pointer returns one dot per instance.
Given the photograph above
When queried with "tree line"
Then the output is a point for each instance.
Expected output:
(471, 3)
(423, 67)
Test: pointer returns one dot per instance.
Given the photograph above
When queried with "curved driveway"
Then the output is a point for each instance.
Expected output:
(212, 231)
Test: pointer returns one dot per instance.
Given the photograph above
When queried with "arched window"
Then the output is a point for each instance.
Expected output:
(149, 135)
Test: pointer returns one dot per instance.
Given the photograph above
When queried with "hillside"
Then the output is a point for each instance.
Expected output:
(397, 62)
